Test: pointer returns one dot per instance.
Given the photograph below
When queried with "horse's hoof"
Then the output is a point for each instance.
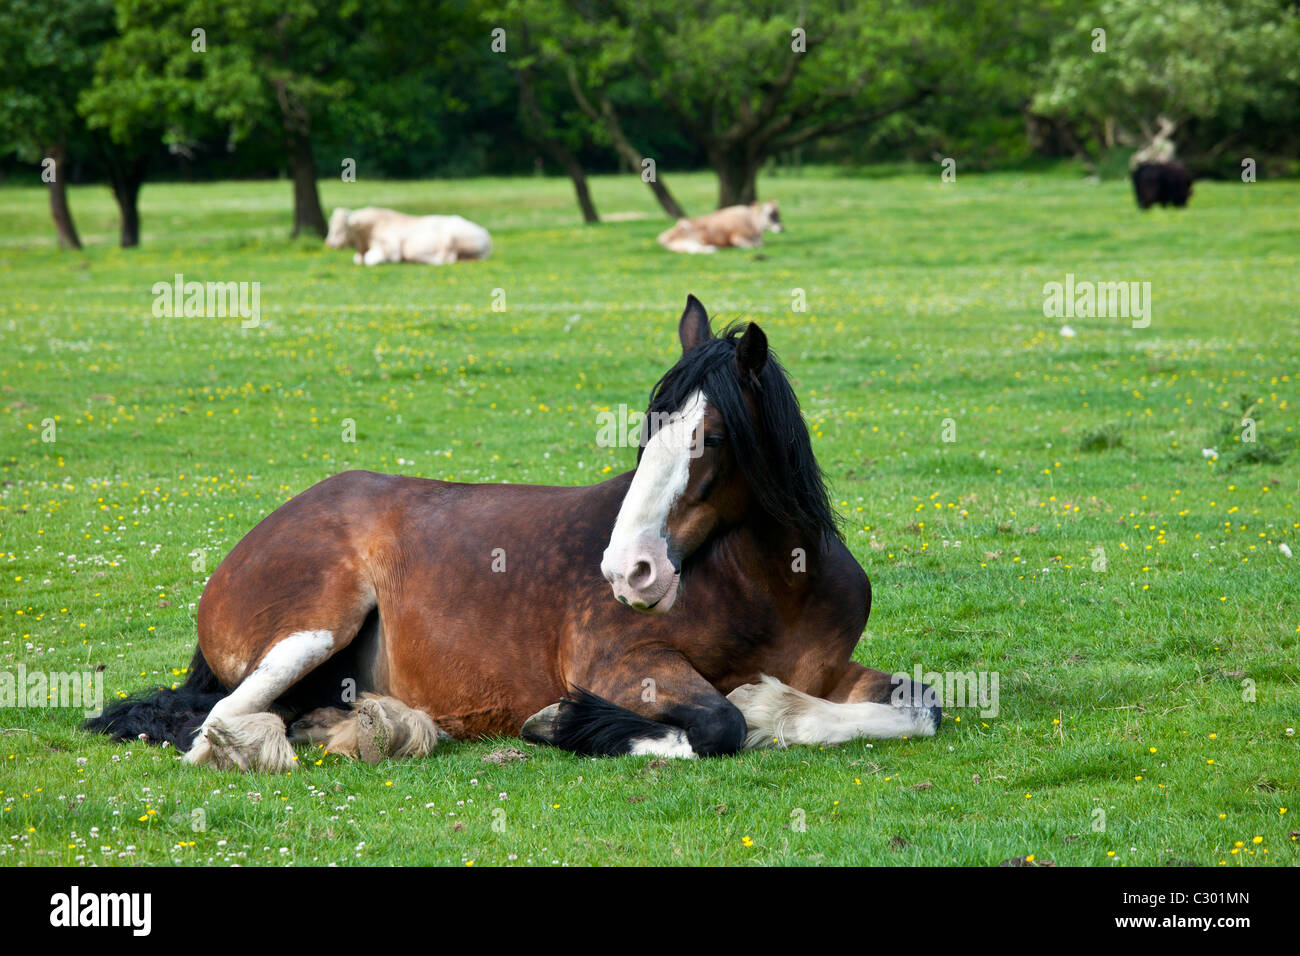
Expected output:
(250, 743)
(300, 732)
(200, 753)
(540, 728)
(225, 755)
(932, 720)
(316, 727)
(374, 732)
(744, 695)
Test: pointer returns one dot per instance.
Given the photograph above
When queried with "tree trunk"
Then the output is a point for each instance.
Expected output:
(295, 120)
(737, 170)
(538, 130)
(125, 177)
(579, 177)
(1076, 147)
(608, 118)
(63, 224)
(666, 199)
(634, 159)
(307, 213)
(128, 202)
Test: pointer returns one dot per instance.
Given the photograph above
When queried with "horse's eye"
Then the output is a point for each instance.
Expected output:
(713, 441)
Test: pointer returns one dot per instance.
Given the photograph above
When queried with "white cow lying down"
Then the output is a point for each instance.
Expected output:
(382, 235)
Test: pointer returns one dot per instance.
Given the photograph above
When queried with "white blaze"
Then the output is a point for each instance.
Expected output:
(660, 477)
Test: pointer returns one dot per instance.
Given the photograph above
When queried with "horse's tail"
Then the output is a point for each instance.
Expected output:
(590, 725)
(165, 715)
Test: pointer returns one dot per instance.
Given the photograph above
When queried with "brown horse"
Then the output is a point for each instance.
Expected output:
(381, 612)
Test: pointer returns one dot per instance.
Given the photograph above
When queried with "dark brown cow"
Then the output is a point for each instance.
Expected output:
(371, 608)
(1165, 184)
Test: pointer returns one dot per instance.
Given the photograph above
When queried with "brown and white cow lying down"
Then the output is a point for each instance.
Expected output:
(382, 235)
(741, 226)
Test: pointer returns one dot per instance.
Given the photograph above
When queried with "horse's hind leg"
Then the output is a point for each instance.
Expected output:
(377, 728)
(865, 703)
(320, 726)
(388, 728)
(240, 731)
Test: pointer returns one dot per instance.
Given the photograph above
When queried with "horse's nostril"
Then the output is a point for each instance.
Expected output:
(642, 575)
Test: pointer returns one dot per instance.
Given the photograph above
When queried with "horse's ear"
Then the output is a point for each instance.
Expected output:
(693, 329)
(751, 350)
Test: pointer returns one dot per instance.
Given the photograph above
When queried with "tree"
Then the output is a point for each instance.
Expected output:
(556, 52)
(49, 48)
(141, 95)
(288, 59)
(554, 140)
(749, 80)
(1169, 70)
(606, 118)
(518, 28)
(245, 64)
(429, 96)
(979, 116)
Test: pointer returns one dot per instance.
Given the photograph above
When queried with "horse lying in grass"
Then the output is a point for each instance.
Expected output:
(376, 612)
(382, 235)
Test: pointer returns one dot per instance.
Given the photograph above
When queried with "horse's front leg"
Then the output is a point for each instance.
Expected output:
(863, 703)
(650, 701)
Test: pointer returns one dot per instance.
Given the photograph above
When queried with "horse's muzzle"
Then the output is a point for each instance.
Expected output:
(643, 576)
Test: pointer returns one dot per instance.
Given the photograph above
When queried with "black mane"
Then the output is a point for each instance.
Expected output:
(776, 459)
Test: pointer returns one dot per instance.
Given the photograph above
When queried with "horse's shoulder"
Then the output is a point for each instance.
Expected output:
(842, 579)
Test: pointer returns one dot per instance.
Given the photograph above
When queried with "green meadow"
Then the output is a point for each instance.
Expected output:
(1027, 503)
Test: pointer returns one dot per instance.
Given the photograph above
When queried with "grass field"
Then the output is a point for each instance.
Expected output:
(1159, 687)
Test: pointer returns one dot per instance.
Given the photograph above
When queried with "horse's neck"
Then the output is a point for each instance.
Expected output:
(776, 561)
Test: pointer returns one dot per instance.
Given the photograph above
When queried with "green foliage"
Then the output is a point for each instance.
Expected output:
(1223, 64)
(49, 49)
(744, 81)
(427, 93)
(379, 82)
(409, 88)
(261, 61)
(730, 65)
